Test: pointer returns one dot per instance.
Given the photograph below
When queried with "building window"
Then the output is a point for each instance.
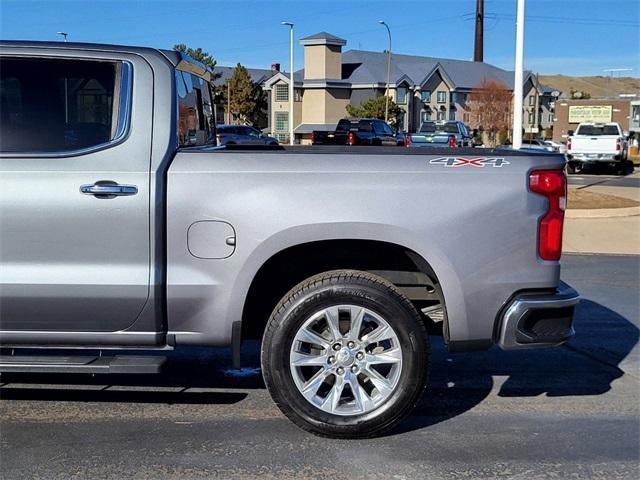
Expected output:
(442, 96)
(530, 118)
(442, 115)
(532, 100)
(425, 116)
(452, 114)
(401, 95)
(282, 92)
(465, 117)
(425, 96)
(551, 118)
(282, 121)
(297, 95)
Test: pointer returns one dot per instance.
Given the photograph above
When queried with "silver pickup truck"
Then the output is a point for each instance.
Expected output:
(126, 232)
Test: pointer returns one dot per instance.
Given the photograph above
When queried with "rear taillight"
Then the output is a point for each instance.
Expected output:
(618, 145)
(452, 141)
(553, 185)
(568, 144)
(407, 140)
(218, 138)
(313, 138)
(351, 139)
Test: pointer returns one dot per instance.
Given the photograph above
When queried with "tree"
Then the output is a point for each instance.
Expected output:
(247, 100)
(375, 108)
(489, 106)
(201, 56)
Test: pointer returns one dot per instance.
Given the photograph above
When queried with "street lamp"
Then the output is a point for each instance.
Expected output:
(518, 77)
(386, 108)
(64, 34)
(290, 25)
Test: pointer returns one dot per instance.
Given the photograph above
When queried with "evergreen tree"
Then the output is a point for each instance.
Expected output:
(247, 100)
(375, 108)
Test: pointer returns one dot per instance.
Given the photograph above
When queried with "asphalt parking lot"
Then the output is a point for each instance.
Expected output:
(569, 412)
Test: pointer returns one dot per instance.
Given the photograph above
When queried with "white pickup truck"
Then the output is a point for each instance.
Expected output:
(597, 143)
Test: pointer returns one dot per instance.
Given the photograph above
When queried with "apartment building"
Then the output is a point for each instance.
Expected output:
(425, 88)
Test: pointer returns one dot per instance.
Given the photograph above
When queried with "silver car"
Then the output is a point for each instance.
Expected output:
(242, 135)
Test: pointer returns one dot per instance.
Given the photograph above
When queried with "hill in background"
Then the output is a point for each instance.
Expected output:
(596, 86)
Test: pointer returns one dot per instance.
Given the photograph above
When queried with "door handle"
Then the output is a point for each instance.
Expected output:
(108, 189)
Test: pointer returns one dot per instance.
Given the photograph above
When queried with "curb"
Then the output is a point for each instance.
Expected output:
(602, 212)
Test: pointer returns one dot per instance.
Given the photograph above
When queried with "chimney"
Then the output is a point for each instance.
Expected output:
(275, 67)
(478, 53)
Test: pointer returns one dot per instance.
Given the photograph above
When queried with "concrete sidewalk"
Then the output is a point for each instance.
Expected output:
(612, 235)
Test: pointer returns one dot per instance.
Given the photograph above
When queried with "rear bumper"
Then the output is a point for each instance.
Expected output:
(538, 319)
(595, 157)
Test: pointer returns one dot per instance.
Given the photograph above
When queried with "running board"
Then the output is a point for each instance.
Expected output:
(81, 364)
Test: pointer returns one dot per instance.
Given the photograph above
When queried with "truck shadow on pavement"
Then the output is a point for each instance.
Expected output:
(587, 365)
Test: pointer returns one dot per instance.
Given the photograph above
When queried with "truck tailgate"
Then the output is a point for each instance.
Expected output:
(598, 144)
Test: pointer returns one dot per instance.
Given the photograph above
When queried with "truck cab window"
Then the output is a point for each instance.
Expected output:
(58, 105)
(196, 125)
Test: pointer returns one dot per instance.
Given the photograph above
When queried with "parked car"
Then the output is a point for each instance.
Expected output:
(439, 134)
(537, 144)
(597, 144)
(357, 131)
(145, 240)
(556, 146)
(242, 135)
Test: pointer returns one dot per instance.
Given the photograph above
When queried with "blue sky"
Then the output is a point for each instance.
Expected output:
(581, 37)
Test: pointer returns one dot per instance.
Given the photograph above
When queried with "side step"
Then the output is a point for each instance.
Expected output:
(79, 364)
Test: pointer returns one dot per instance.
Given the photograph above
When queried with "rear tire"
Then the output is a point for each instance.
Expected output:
(345, 355)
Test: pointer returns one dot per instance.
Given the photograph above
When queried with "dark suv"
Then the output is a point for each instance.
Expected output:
(242, 135)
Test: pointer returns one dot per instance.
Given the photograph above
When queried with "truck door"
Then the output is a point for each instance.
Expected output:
(74, 190)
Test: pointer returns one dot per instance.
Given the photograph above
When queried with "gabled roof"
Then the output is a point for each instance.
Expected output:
(281, 77)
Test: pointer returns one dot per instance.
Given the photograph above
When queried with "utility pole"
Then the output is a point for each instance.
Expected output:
(290, 25)
(518, 77)
(386, 93)
(478, 53)
(229, 101)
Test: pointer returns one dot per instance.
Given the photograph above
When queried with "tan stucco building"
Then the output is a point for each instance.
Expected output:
(425, 88)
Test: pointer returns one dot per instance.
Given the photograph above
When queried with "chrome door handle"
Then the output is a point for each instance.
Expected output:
(107, 189)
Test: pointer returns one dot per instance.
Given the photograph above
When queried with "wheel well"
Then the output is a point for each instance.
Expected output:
(401, 266)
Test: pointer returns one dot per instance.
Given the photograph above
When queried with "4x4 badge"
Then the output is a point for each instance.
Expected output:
(478, 162)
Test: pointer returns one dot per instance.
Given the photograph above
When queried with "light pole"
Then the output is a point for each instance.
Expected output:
(66, 88)
(518, 77)
(386, 108)
(290, 25)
